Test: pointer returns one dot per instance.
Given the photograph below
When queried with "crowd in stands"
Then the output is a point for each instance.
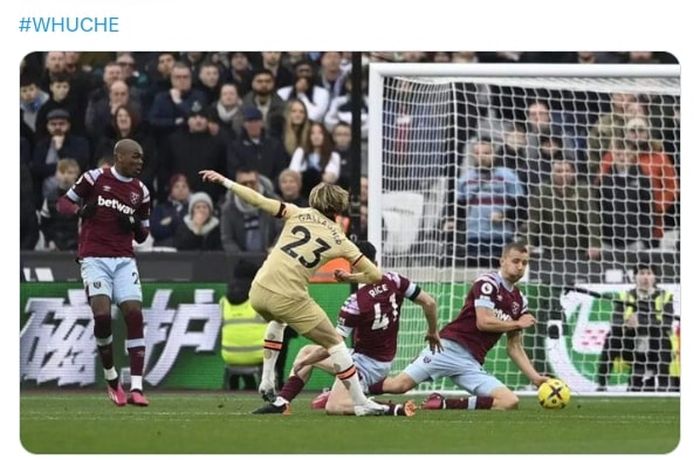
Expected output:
(280, 123)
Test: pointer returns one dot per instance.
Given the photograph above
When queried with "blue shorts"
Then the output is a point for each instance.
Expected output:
(115, 277)
(370, 370)
(458, 364)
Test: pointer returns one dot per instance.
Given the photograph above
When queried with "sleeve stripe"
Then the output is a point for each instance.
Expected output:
(146, 223)
(357, 260)
(280, 213)
(483, 303)
(416, 292)
(72, 195)
(344, 330)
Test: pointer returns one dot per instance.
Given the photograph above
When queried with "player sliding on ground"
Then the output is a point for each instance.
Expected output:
(310, 237)
(371, 316)
(493, 306)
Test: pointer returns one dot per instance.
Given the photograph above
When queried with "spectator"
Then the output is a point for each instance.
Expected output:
(200, 230)
(209, 81)
(194, 60)
(228, 110)
(563, 216)
(332, 76)
(192, 150)
(171, 108)
(314, 97)
(60, 144)
(62, 97)
(81, 83)
(364, 190)
(342, 138)
(271, 61)
(240, 73)
(132, 76)
(168, 215)
(255, 149)
(31, 98)
(544, 124)
(296, 127)
(60, 230)
(160, 79)
(54, 64)
(244, 228)
(320, 162)
(655, 164)
(100, 112)
(341, 110)
(609, 126)
(112, 72)
(289, 183)
(126, 124)
(264, 98)
(487, 204)
(28, 224)
(626, 201)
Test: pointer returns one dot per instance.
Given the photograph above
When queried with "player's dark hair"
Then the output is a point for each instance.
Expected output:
(520, 246)
(368, 250)
(644, 266)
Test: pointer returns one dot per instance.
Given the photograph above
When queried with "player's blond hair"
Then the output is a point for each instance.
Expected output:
(328, 199)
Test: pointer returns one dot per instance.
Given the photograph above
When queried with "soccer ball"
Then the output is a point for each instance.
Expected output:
(554, 394)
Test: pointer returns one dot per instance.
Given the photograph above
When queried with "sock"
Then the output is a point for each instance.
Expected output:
(103, 337)
(470, 403)
(291, 389)
(346, 372)
(377, 388)
(274, 337)
(136, 346)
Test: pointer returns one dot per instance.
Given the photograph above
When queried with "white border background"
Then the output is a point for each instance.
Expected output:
(477, 25)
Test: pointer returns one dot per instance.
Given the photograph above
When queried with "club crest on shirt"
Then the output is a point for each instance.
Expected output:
(515, 308)
(97, 284)
(134, 198)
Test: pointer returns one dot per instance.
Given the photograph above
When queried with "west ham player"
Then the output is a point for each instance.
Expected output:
(310, 237)
(493, 306)
(114, 208)
(371, 316)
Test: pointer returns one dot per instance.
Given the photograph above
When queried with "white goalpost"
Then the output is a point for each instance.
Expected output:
(580, 161)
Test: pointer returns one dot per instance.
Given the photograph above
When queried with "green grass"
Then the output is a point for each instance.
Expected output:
(216, 422)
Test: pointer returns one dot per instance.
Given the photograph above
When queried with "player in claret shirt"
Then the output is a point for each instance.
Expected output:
(493, 306)
(371, 317)
(114, 207)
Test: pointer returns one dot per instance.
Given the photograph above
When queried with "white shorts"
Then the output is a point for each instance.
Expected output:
(458, 364)
(116, 277)
(370, 370)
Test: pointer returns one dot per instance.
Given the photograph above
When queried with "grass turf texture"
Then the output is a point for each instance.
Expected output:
(216, 422)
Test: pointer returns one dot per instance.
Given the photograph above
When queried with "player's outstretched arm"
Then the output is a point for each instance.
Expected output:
(519, 357)
(365, 272)
(250, 196)
(429, 307)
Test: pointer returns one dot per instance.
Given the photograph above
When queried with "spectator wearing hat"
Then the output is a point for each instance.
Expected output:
(244, 228)
(200, 230)
(265, 99)
(240, 72)
(168, 215)
(254, 149)
(655, 164)
(192, 150)
(60, 144)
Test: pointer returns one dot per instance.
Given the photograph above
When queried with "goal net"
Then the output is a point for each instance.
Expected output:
(582, 163)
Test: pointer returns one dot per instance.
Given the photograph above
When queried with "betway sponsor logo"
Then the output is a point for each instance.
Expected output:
(115, 204)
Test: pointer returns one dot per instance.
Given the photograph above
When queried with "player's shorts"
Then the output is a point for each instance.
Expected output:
(301, 314)
(116, 277)
(370, 370)
(458, 364)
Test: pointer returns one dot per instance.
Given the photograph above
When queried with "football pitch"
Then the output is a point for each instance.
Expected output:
(218, 422)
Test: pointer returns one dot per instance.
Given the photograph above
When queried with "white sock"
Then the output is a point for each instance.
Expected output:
(342, 362)
(137, 382)
(111, 373)
(280, 401)
(273, 344)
